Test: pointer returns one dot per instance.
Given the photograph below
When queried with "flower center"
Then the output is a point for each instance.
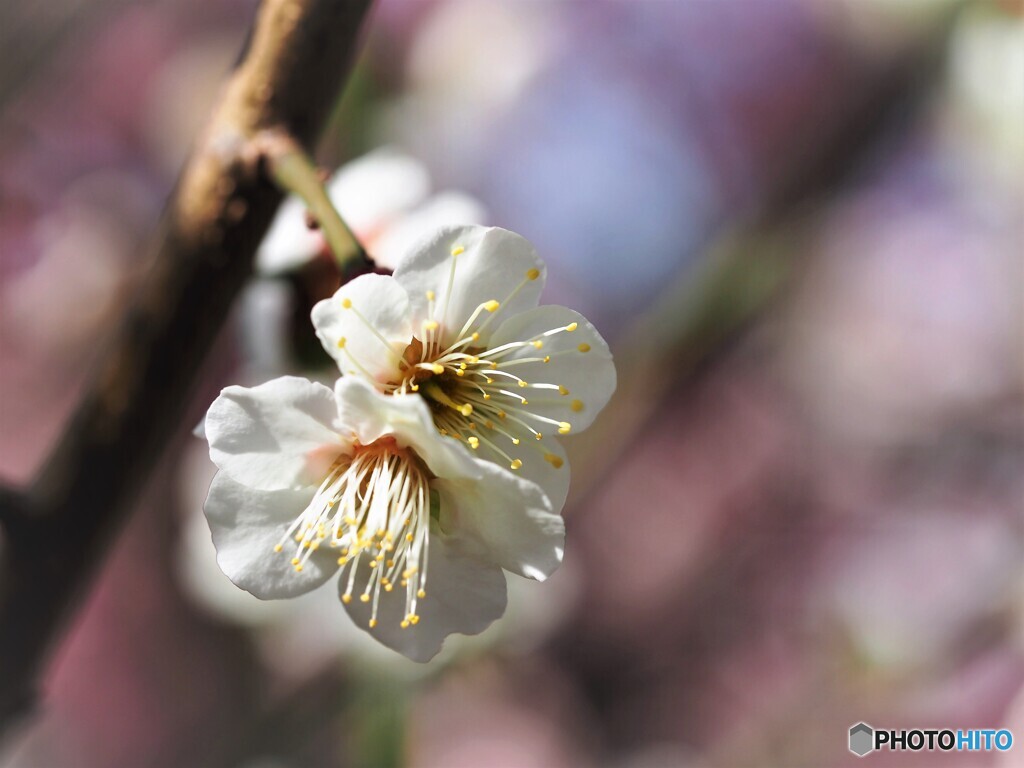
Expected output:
(475, 391)
(373, 504)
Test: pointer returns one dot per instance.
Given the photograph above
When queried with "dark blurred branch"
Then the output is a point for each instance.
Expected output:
(288, 79)
(11, 503)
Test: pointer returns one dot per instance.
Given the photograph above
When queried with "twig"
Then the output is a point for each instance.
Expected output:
(291, 167)
(288, 78)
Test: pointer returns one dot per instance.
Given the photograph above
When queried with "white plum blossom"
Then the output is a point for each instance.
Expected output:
(314, 482)
(383, 196)
(459, 325)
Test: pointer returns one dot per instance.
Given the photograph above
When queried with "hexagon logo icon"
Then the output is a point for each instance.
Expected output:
(862, 738)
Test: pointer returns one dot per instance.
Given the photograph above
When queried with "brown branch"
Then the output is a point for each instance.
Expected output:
(288, 78)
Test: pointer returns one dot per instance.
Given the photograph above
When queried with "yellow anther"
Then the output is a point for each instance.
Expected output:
(474, 442)
(537, 344)
(430, 295)
(532, 274)
(430, 325)
(388, 587)
(341, 342)
(486, 396)
(475, 337)
(465, 409)
(346, 303)
(539, 436)
(584, 347)
(564, 428)
(516, 464)
(523, 383)
(346, 598)
(515, 441)
(460, 371)
(576, 405)
(295, 561)
(572, 327)
(554, 461)
(373, 623)
(298, 568)
(414, 619)
(458, 249)
(562, 390)
(492, 305)
(421, 593)
(404, 624)
(408, 537)
(439, 369)
(547, 358)
(364, 598)
(278, 547)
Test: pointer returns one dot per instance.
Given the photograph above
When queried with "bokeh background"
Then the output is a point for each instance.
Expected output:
(800, 225)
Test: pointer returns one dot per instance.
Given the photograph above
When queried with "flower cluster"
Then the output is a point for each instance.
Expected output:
(432, 467)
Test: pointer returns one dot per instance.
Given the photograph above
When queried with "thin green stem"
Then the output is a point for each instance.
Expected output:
(293, 171)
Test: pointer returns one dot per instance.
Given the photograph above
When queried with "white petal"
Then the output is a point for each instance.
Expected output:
(407, 418)
(445, 208)
(539, 460)
(493, 265)
(289, 243)
(588, 376)
(246, 524)
(373, 189)
(464, 595)
(376, 328)
(276, 435)
(511, 517)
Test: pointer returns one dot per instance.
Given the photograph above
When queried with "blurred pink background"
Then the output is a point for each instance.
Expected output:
(812, 520)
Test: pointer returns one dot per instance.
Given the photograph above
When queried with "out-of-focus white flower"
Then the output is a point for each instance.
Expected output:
(459, 325)
(987, 81)
(383, 197)
(314, 482)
